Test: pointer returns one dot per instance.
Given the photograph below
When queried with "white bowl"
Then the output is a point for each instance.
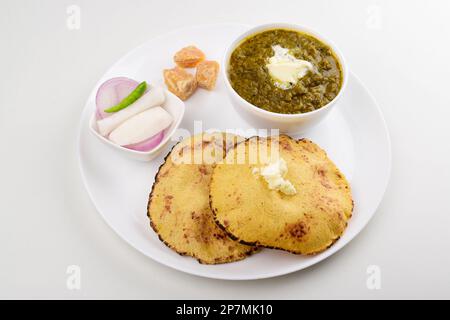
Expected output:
(286, 123)
(172, 105)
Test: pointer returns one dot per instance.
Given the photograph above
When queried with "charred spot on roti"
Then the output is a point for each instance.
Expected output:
(168, 202)
(203, 169)
(285, 145)
(297, 230)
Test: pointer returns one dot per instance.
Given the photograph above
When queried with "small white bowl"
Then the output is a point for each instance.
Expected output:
(286, 123)
(172, 105)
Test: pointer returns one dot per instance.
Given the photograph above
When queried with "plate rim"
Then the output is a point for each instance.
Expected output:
(324, 255)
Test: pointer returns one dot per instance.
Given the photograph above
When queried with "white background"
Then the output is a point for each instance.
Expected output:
(399, 49)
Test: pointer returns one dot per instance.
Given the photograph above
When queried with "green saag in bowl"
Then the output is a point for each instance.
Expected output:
(250, 78)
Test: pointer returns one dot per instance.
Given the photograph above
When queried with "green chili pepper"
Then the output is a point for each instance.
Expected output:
(132, 97)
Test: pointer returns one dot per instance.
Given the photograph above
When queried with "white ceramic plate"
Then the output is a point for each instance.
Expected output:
(354, 135)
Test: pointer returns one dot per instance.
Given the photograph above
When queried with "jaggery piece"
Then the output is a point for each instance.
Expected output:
(180, 82)
(188, 57)
(206, 74)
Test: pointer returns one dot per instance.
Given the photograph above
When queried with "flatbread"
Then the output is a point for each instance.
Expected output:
(307, 222)
(178, 206)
